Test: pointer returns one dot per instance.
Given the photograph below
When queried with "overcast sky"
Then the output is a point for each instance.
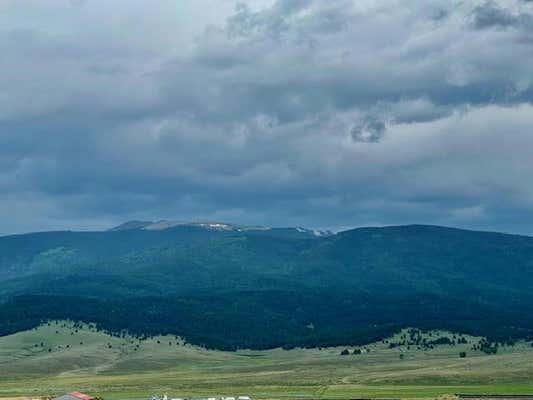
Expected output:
(318, 113)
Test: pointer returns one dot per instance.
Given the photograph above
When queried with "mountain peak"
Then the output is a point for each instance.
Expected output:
(126, 226)
(168, 224)
(212, 225)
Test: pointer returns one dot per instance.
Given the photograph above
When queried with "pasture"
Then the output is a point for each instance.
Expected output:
(60, 357)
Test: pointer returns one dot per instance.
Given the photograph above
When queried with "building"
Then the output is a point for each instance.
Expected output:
(75, 396)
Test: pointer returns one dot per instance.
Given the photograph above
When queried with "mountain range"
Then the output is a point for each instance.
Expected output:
(229, 286)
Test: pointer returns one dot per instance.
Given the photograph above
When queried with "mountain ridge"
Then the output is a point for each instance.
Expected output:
(206, 284)
(215, 225)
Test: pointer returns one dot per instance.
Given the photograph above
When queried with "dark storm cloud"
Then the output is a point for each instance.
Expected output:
(320, 113)
(371, 131)
(490, 14)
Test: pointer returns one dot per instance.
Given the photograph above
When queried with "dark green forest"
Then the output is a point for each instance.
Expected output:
(231, 289)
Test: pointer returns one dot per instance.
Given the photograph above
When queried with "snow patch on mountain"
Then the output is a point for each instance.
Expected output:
(212, 225)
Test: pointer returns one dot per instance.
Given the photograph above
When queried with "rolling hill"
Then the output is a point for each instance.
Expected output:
(61, 356)
(227, 287)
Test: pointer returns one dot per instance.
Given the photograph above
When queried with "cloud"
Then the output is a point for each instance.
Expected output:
(315, 113)
(370, 131)
(78, 3)
(490, 14)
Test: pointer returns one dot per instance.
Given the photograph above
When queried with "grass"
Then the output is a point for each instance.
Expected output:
(124, 368)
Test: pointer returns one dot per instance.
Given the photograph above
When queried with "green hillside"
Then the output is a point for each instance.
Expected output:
(123, 367)
(259, 288)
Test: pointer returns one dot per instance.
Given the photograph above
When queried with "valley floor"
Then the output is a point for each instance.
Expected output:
(61, 357)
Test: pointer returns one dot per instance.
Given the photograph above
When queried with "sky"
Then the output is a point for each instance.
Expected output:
(317, 113)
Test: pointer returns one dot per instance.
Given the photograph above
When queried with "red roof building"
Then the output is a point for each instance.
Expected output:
(75, 396)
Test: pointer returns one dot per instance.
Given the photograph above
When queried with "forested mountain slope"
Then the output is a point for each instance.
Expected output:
(228, 287)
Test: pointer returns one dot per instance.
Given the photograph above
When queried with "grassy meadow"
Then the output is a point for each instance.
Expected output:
(60, 357)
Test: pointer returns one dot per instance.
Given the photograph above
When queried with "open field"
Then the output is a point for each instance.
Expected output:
(58, 358)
